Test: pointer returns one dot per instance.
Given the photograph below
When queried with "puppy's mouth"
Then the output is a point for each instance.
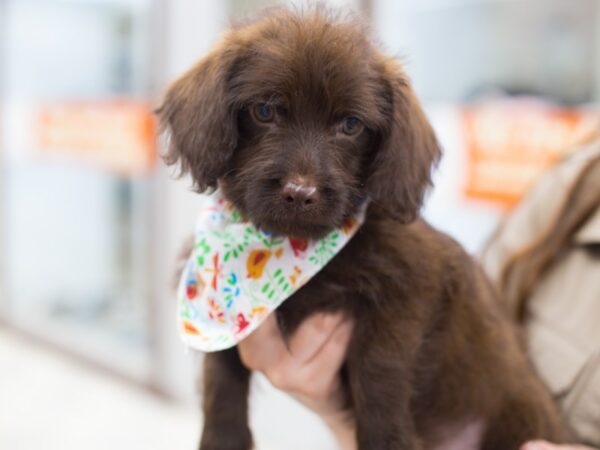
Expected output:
(308, 218)
(295, 228)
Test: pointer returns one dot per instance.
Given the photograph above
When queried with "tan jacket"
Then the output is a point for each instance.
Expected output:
(563, 329)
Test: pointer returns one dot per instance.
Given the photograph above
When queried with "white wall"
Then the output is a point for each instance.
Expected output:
(55, 230)
(447, 208)
(453, 48)
(191, 27)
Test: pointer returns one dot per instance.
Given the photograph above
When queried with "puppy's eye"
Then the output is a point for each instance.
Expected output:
(263, 112)
(352, 126)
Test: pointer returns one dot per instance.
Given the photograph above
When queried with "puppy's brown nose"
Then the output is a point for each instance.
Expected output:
(300, 191)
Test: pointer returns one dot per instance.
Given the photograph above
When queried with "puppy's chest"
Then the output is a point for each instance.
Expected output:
(340, 286)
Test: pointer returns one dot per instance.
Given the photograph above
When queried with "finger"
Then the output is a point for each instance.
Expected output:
(543, 445)
(265, 350)
(333, 350)
(290, 373)
(263, 347)
(320, 375)
(312, 334)
(286, 372)
(537, 445)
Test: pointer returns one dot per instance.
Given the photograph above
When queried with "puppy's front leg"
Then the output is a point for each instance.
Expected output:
(380, 390)
(225, 402)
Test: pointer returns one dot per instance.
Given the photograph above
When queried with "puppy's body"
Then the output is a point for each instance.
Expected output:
(306, 101)
(432, 349)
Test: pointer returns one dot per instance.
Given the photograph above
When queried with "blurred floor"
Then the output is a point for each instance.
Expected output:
(48, 401)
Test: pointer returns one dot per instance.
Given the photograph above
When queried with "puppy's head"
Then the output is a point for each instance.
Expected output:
(298, 118)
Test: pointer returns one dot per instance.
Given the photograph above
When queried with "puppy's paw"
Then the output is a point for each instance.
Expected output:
(226, 439)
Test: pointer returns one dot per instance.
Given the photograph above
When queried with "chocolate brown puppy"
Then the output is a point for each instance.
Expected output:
(304, 99)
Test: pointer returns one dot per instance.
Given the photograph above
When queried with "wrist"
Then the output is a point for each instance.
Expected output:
(343, 427)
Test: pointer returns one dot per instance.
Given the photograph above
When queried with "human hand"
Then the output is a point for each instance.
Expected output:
(308, 368)
(543, 445)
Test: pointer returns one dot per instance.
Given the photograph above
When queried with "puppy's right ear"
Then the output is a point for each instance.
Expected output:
(200, 116)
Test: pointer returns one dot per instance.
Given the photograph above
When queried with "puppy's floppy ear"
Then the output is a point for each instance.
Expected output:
(198, 111)
(401, 169)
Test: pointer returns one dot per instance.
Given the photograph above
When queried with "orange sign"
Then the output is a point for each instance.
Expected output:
(510, 143)
(117, 135)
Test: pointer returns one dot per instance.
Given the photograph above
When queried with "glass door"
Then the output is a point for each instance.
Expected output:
(77, 160)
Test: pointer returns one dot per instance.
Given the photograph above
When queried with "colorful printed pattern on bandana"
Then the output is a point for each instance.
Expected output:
(237, 275)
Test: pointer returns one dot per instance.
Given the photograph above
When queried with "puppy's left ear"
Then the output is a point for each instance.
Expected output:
(199, 113)
(401, 171)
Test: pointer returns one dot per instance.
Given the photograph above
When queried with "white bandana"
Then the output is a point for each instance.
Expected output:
(237, 275)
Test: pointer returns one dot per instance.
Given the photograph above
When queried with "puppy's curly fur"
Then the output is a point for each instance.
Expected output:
(306, 95)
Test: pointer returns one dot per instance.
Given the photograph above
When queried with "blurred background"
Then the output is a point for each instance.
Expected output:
(91, 222)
